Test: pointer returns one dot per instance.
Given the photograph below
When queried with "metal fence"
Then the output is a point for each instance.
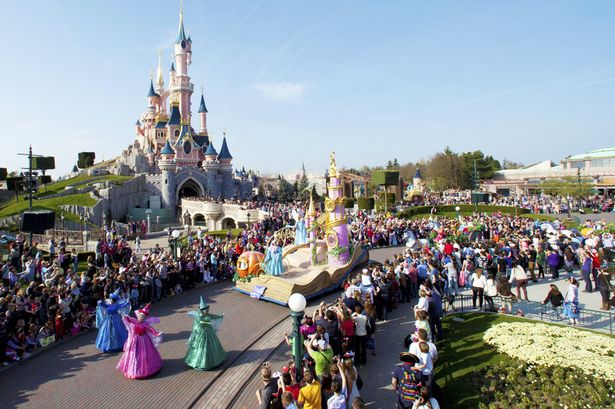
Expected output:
(590, 319)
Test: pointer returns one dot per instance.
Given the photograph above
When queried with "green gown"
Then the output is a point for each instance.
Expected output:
(204, 348)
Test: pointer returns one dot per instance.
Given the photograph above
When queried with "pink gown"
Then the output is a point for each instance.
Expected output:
(141, 357)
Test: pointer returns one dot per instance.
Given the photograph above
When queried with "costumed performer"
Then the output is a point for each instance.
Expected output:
(204, 348)
(141, 358)
(300, 230)
(273, 260)
(112, 333)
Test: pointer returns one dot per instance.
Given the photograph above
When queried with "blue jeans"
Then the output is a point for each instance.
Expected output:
(453, 286)
(588, 282)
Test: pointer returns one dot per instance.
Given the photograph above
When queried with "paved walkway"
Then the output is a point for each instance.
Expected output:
(75, 374)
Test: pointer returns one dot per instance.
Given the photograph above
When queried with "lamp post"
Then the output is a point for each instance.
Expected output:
(175, 236)
(248, 214)
(297, 303)
(457, 211)
(81, 227)
(62, 218)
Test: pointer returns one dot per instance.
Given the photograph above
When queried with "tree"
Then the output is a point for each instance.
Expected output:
(568, 187)
(284, 192)
(507, 164)
(303, 185)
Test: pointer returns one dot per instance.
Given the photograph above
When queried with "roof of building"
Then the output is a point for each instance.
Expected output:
(172, 67)
(224, 152)
(151, 92)
(201, 140)
(167, 149)
(183, 135)
(596, 154)
(161, 124)
(138, 123)
(175, 118)
(181, 35)
(75, 169)
(211, 151)
(417, 174)
(202, 107)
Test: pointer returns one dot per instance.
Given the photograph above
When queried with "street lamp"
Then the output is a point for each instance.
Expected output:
(175, 236)
(62, 218)
(248, 214)
(457, 210)
(148, 212)
(81, 218)
(297, 303)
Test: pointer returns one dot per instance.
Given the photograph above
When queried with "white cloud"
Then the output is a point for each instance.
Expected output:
(281, 91)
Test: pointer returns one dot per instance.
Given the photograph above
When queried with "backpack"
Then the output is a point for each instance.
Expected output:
(408, 386)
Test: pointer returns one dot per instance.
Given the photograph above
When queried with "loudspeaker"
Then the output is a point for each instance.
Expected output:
(38, 221)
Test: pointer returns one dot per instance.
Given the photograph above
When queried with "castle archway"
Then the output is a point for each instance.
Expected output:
(199, 220)
(228, 223)
(190, 188)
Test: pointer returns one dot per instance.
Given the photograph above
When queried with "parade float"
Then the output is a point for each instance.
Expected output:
(317, 261)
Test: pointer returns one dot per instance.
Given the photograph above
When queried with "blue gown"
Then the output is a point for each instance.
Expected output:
(300, 233)
(273, 261)
(112, 333)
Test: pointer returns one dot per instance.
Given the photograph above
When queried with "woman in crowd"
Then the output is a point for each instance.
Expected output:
(571, 302)
(518, 275)
(478, 287)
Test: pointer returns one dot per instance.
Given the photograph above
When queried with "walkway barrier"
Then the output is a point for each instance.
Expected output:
(590, 319)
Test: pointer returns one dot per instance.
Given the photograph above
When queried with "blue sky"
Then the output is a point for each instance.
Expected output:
(290, 81)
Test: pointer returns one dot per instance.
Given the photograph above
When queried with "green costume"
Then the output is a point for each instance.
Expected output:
(204, 349)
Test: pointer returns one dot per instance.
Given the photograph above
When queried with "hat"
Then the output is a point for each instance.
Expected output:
(409, 358)
(365, 271)
(115, 295)
(203, 305)
(323, 345)
(144, 310)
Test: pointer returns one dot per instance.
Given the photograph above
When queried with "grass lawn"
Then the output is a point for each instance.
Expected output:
(54, 204)
(463, 352)
(79, 181)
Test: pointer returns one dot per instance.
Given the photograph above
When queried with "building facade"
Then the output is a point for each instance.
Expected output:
(179, 160)
(597, 167)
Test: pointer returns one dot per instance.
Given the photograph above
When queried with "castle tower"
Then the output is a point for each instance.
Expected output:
(203, 116)
(167, 167)
(181, 87)
(336, 234)
(417, 180)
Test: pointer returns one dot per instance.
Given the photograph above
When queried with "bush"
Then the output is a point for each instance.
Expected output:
(385, 177)
(366, 203)
(349, 203)
(520, 385)
(463, 208)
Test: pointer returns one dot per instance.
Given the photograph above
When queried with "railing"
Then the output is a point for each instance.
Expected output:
(588, 318)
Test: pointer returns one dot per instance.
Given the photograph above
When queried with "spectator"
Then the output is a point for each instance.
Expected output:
(310, 395)
(406, 380)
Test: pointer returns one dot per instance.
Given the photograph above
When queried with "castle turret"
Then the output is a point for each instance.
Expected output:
(210, 153)
(224, 157)
(203, 116)
(153, 98)
(174, 123)
(167, 167)
(182, 87)
(159, 79)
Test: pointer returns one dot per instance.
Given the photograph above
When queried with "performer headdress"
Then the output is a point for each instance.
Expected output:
(203, 305)
(115, 295)
(145, 310)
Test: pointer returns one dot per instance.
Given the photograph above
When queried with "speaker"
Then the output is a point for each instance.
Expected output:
(86, 159)
(38, 221)
(43, 162)
(14, 183)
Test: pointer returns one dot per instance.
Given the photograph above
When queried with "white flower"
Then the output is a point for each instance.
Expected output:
(549, 345)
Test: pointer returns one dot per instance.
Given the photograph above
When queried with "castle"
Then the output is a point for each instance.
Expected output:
(178, 160)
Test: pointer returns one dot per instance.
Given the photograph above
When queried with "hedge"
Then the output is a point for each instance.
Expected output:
(349, 203)
(366, 203)
(390, 202)
(385, 177)
(463, 208)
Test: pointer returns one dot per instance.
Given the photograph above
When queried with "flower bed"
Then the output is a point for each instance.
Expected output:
(554, 346)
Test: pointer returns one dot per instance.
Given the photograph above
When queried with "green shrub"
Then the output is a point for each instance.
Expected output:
(385, 177)
(380, 202)
(519, 385)
(349, 203)
(366, 203)
(463, 208)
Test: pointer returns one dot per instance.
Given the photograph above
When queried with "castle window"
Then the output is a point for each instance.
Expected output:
(166, 181)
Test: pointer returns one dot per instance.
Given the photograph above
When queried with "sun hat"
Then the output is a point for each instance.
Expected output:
(409, 358)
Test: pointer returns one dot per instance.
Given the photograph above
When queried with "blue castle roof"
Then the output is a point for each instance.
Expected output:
(224, 152)
(185, 131)
(151, 92)
(175, 118)
(172, 67)
(202, 107)
(201, 140)
(138, 123)
(211, 150)
(161, 124)
(167, 150)
(417, 175)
